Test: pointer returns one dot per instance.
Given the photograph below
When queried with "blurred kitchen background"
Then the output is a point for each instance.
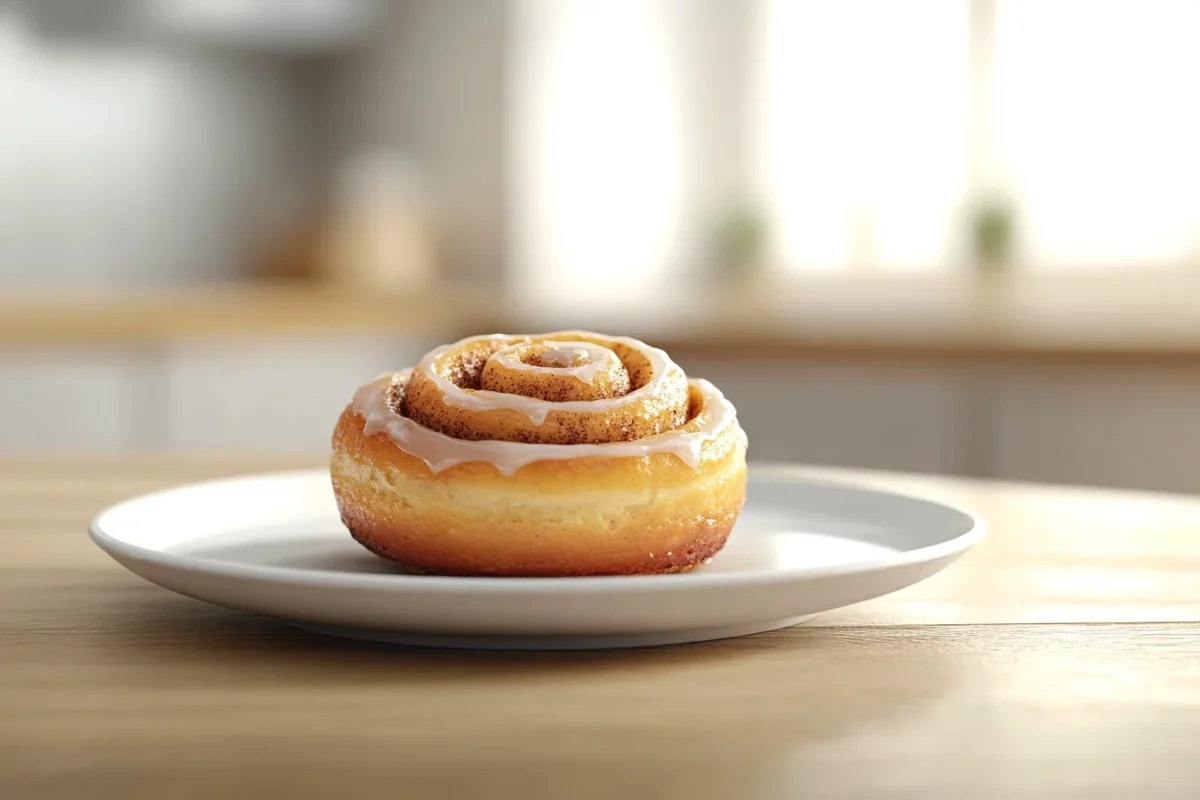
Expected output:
(950, 236)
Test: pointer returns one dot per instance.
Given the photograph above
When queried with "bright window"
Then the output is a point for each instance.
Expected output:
(862, 148)
(869, 132)
(1098, 129)
(597, 146)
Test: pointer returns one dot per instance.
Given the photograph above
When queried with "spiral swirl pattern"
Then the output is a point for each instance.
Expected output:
(559, 388)
(568, 453)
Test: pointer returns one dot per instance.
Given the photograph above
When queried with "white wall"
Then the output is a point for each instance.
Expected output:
(432, 85)
(122, 165)
(630, 135)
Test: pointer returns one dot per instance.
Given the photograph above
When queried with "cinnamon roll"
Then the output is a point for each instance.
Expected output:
(560, 454)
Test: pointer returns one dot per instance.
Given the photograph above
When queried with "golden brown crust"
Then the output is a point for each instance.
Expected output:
(425, 402)
(591, 515)
(432, 552)
(583, 474)
(502, 375)
(586, 516)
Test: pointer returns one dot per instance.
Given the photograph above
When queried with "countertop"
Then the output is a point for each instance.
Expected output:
(152, 317)
(1099, 318)
(1058, 659)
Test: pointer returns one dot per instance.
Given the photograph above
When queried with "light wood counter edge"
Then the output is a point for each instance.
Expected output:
(149, 318)
(742, 331)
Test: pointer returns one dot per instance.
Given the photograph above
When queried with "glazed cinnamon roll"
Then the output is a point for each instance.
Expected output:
(560, 454)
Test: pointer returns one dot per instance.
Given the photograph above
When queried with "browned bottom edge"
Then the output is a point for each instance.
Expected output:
(391, 546)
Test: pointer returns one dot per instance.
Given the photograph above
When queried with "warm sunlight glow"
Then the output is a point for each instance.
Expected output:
(597, 173)
(862, 130)
(1099, 129)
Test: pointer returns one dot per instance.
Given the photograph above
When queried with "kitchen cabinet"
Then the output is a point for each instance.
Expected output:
(862, 415)
(74, 401)
(1120, 427)
(1116, 426)
(271, 395)
(261, 395)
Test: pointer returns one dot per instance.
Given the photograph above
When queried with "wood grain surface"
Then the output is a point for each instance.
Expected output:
(1060, 659)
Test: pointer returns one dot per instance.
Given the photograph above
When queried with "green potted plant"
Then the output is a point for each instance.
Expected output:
(737, 244)
(992, 235)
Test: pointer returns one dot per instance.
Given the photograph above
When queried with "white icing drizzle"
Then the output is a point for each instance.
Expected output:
(560, 358)
(561, 355)
(440, 452)
(535, 408)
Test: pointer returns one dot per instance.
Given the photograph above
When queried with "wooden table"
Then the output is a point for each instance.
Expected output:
(1061, 659)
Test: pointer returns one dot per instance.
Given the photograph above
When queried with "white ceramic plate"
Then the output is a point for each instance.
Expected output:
(273, 544)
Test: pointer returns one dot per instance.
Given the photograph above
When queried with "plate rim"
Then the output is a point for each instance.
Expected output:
(448, 584)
